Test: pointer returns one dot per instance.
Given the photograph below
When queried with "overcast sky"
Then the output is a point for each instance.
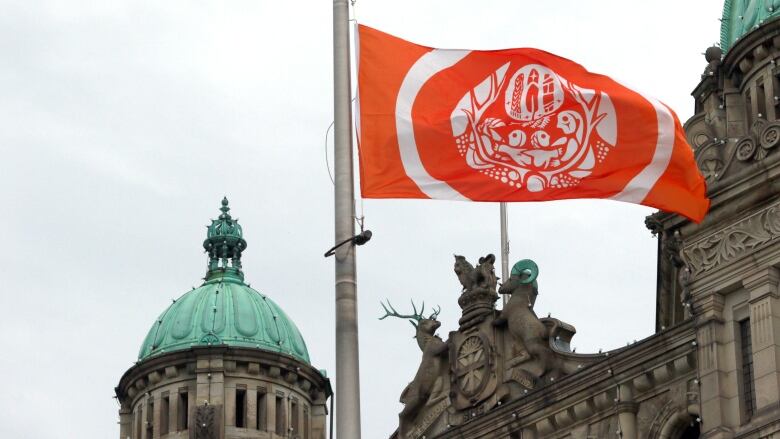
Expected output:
(122, 124)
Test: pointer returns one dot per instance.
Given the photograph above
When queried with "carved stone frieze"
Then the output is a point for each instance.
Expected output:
(735, 241)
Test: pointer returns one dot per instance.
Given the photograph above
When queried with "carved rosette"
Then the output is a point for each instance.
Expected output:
(472, 367)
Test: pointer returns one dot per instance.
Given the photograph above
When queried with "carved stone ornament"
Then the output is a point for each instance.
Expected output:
(770, 136)
(711, 168)
(745, 149)
(478, 296)
(429, 386)
(710, 161)
(734, 241)
(472, 365)
(206, 422)
(491, 359)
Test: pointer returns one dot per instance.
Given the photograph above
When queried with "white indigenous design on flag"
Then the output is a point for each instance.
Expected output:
(547, 132)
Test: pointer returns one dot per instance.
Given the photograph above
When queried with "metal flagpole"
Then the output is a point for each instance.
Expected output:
(504, 247)
(347, 361)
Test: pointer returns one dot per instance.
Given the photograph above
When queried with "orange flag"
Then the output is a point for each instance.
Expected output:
(513, 125)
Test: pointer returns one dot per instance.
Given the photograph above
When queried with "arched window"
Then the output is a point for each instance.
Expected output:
(691, 432)
(680, 425)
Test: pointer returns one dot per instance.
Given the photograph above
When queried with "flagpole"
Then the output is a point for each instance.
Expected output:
(504, 247)
(347, 360)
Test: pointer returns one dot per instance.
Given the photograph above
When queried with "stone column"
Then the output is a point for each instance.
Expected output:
(319, 418)
(125, 423)
(627, 409)
(251, 408)
(765, 334)
(713, 371)
(156, 416)
(230, 405)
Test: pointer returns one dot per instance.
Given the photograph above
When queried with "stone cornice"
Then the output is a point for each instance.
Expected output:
(735, 193)
(282, 362)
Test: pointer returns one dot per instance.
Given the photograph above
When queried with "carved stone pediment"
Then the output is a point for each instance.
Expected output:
(491, 359)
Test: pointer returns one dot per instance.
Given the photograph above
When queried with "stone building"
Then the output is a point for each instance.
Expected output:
(712, 369)
(223, 362)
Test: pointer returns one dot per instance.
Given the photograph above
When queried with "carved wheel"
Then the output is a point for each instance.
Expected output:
(770, 137)
(472, 371)
(745, 149)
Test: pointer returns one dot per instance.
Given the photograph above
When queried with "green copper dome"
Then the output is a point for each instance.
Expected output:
(743, 16)
(224, 310)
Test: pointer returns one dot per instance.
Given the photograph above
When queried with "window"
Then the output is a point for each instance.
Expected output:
(294, 428)
(761, 100)
(183, 411)
(262, 413)
(748, 386)
(165, 406)
(692, 431)
(241, 408)
(281, 416)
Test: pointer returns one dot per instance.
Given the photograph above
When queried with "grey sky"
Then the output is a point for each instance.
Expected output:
(124, 123)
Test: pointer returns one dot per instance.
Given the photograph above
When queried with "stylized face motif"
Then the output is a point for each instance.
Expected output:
(567, 121)
(540, 139)
(547, 133)
(516, 138)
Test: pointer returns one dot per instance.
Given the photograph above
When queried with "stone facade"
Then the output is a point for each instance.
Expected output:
(711, 370)
(222, 393)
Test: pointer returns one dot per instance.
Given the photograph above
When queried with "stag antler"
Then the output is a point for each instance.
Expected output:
(435, 313)
(415, 317)
(393, 313)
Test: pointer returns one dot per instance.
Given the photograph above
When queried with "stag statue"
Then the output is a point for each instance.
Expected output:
(434, 362)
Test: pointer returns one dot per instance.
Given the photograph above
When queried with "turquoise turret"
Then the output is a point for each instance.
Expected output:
(224, 310)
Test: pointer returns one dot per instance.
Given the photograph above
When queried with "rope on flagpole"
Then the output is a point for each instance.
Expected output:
(327, 161)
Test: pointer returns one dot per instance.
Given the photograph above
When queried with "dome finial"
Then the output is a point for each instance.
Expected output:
(224, 243)
(225, 209)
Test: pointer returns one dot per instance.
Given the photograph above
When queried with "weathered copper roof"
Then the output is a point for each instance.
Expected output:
(224, 310)
(743, 16)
